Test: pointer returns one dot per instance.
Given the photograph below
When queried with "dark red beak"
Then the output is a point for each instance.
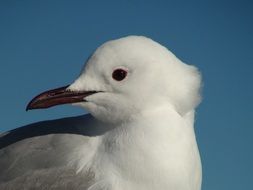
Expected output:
(56, 97)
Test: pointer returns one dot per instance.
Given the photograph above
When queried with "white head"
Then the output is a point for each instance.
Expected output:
(133, 74)
(153, 76)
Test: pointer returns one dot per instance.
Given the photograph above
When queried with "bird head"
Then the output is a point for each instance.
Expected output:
(126, 76)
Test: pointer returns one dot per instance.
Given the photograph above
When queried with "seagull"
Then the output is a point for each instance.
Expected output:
(138, 135)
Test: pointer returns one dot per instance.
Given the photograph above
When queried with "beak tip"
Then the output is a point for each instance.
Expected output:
(28, 107)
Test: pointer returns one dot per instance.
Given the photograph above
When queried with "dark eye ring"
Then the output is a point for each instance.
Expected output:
(119, 74)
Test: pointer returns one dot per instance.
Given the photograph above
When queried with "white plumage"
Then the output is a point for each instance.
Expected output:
(140, 135)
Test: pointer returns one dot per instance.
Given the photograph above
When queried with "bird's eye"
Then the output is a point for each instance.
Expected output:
(119, 74)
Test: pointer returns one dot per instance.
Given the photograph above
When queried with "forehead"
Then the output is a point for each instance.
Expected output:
(133, 54)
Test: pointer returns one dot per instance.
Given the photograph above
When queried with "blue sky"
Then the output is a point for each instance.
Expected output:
(43, 44)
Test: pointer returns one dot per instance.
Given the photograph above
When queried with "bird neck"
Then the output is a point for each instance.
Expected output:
(159, 147)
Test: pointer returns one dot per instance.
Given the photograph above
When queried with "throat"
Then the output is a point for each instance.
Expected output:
(154, 136)
(152, 151)
(158, 127)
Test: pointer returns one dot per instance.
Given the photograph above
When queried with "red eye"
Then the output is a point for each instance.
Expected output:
(119, 74)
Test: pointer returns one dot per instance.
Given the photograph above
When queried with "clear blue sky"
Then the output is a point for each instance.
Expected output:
(43, 44)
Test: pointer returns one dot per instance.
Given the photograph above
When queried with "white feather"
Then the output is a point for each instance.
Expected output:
(151, 142)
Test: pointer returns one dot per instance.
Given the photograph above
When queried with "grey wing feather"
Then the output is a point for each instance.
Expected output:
(58, 178)
(36, 156)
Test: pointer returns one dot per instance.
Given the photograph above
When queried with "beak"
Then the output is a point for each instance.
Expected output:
(57, 96)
